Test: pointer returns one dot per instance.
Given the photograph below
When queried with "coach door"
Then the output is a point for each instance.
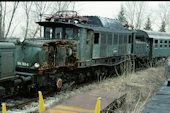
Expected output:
(150, 47)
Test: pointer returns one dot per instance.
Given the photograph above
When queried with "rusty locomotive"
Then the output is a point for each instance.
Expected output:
(77, 49)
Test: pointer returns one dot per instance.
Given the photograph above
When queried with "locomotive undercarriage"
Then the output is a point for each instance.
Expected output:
(145, 62)
(48, 79)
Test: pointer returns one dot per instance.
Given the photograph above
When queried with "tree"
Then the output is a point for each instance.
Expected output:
(1, 20)
(148, 25)
(42, 8)
(135, 13)
(164, 14)
(121, 16)
(162, 29)
(27, 7)
(15, 6)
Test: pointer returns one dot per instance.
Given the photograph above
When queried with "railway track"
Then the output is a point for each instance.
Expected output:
(26, 101)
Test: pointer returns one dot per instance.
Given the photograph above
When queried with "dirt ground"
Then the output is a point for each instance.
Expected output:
(140, 88)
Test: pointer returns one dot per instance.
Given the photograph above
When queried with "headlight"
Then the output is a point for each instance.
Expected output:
(37, 65)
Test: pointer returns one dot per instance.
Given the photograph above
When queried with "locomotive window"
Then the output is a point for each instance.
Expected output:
(58, 32)
(165, 45)
(165, 41)
(115, 38)
(110, 39)
(169, 41)
(140, 38)
(69, 33)
(160, 41)
(96, 38)
(47, 32)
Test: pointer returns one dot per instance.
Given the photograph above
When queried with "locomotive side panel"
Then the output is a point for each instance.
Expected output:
(85, 45)
(7, 60)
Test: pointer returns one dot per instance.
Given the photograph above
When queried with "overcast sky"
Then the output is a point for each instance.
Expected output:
(108, 9)
(111, 9)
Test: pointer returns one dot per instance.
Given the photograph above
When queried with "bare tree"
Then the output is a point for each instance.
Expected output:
(164, 13)
(136, 13)
(12, 16)
(1, 20)
(27, 7)
(42, 8)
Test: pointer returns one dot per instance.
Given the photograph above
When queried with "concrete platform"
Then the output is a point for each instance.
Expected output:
(86, 102)
(160, 103)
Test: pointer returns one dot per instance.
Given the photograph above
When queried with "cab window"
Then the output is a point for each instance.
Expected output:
(47, 32)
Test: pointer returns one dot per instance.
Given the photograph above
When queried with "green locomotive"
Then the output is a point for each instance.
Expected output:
(73, 49)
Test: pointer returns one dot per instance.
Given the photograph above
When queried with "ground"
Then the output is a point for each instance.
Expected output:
(139, 86)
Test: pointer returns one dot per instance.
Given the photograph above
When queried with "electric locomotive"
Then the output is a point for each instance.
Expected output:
(74, 49)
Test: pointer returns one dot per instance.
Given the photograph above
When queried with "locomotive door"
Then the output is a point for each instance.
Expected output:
(86, 44)
(96, 46)
(132, 48)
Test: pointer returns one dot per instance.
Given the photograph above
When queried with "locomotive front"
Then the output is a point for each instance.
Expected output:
(47, 59)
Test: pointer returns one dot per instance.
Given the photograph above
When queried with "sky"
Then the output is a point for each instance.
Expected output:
(109, 9)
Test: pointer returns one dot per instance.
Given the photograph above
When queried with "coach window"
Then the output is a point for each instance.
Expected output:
(156, 43)
(96, 38)
(165, 43)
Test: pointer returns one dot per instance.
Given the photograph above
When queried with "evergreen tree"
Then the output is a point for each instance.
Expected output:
(121, 15)
(162, 29)
(148, 25)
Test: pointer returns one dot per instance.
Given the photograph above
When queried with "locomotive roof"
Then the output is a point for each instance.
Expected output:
(6, 45)
(95, 23)
(61, 24)
(156, 34)
(104, 22)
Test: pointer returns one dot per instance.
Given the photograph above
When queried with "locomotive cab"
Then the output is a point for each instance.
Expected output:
(61, 32)
(74, 37)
